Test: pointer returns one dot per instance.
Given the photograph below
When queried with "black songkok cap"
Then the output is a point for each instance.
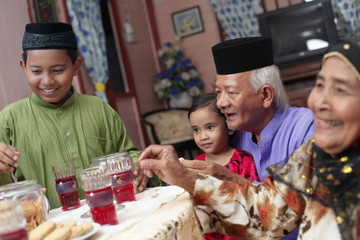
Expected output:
(55, 35)
(349, 51)
(242, 54)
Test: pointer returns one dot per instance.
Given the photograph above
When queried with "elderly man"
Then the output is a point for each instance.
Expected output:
(251, 95)
(253, 99)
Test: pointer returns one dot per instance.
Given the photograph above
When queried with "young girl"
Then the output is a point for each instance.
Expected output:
(211, 135)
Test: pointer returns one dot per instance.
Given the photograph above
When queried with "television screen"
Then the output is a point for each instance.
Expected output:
(299, 33)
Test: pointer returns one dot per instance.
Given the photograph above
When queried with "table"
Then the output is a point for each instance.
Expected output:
(159, 213)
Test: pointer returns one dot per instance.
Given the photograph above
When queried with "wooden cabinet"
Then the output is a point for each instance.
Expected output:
(298, 81)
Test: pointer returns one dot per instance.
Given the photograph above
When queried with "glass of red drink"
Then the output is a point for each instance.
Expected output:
(119, 165)
(96, 182)
(67, 186)
(12, 221)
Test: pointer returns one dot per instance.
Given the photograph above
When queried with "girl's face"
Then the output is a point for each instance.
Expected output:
(335, 102)
(50, 73)
(210, 132)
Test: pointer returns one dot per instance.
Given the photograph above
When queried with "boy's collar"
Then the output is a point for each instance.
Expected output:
(42, 103)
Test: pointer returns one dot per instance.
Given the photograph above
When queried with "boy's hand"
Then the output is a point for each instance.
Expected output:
(8, 157)
(140, 179)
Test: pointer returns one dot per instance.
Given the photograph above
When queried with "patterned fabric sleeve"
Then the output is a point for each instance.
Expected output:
(241, 163)
(247, 211)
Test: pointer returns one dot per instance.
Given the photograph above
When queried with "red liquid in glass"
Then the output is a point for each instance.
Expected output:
(69, 196)
(124, 193)
(19, 234)
(105, 215)
(122, 184)
(101, 203)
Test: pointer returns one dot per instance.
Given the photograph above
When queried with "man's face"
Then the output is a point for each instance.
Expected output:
(50, 73)
(236, 98)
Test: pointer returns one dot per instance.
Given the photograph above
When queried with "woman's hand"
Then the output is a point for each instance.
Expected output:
(164, 162)
(8, 157)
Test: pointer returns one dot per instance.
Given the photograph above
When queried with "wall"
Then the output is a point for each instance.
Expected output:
(196, 47)
(13, 84)
(140, 54)
(143, 55)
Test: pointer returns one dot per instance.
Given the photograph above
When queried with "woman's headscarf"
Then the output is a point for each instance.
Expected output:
(349, 52)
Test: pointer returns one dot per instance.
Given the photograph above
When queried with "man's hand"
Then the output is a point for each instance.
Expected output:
(163, 161)
(214, 170)
(140, 179)
(8, 157)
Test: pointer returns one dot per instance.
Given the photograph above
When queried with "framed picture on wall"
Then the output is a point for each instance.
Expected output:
(187, 22)
(45, 11)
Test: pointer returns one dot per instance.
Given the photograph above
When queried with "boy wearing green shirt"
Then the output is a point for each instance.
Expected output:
(56, 124)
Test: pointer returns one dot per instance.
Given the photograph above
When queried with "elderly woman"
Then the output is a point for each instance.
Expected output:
(318, 189)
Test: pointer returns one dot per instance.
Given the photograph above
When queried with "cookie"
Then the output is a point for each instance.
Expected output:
(59, 234)
(87, 226)
(29, 209)
(59, 225)
(76, 231)
(34, 213)
(31, 224)
(69, 224)
(42, 230)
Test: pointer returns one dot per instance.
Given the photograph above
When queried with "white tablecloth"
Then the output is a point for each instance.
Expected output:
(158, 213)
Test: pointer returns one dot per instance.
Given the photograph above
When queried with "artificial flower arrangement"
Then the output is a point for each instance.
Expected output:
(178, 75)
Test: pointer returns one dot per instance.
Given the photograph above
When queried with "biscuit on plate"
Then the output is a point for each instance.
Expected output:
(42, 230)
(76, 231)
(59, 225)
(87, 226)
(69, 224)
(59, 234)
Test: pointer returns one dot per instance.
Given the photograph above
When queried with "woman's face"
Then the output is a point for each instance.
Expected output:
(335, 102)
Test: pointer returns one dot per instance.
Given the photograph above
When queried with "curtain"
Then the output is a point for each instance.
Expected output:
(238, 17)
(86, 20)
(347, 14)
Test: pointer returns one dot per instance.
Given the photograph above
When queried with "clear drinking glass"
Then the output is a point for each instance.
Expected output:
(12, 221)
(67, 186)
(119, 165)
(96, 182)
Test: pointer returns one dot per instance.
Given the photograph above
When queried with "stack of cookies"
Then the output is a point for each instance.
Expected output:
(34, 213)
(50, 230)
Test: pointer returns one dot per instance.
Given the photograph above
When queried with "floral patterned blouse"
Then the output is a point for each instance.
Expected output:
(241, 163)
(270, 210)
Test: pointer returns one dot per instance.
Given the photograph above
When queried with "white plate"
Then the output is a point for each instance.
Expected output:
(96, 227)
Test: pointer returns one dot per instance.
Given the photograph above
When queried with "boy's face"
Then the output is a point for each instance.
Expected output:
(50, 73)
